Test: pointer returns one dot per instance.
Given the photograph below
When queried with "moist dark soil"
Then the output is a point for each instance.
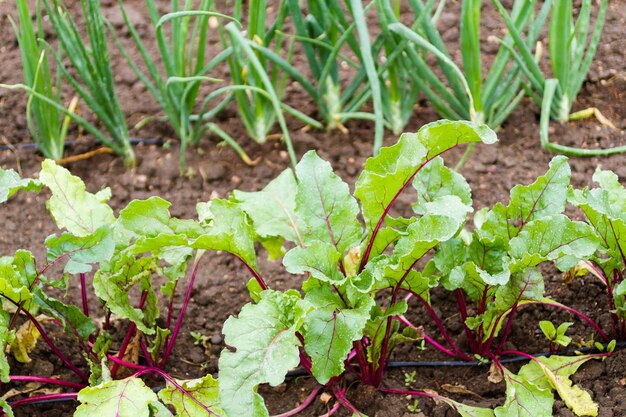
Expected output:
(213, 171)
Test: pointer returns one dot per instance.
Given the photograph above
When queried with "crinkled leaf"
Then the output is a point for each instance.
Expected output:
(81, 252)
(545, 197)
(553, 373)
(422, 236)
(6, 337)
(552, 238)
(266, 348)
(71, 206)
(435, 181)
(330, 328)
(112, 285)
(24, 342)
(18, 294)
(524, 399)
(229, 231)
(386, 175)
(128, 397)
(376, 327)
(272, 209)
(10, 183)
(204, 390)
(325, 206)
(319, 258)
(73, 319)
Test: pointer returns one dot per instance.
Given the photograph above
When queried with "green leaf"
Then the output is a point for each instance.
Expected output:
(545, 197)
(524, 399)
(128, 397)
(264, 336)
(325, 206)
(10, 183)
(112, 284)
(11, 286)
(436, 180)
(71, 206)
(330, 328)
(229, 231)
(470, 411)
(5, 407)
(81, 252)
(73, 319)
(204, 390)
(320, 259)
(387, 175)
(272, 209)
(548, 329)
(151, 217)
(553, 373)
(6, 338)
(551, 238)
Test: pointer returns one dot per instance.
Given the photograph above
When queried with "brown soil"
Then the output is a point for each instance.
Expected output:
(215, 171)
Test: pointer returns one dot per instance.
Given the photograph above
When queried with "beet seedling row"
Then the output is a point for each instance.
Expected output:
(363, 267)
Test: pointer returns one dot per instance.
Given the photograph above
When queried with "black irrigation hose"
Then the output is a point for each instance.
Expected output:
(436, 364)
(408, 364)
(70, 143)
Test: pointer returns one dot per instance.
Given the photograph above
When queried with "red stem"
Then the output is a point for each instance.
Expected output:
(49, 342)
(43, 380)
(460, 298)
(45, 397)
(341, 397)
(442, 330)
(427, 338)
(333, 410)
(302, 406)
(83, 291)
(580, 315)
(179, 321)
(129, 335)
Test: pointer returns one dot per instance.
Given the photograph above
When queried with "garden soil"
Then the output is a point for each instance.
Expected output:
(213, 171)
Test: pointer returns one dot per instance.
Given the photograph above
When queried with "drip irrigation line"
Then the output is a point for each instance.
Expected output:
(417, 364)
(436, 364)
(70, 143)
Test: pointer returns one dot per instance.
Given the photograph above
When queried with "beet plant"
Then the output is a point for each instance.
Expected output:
(604, 208)
(133, 264)
(495, 266)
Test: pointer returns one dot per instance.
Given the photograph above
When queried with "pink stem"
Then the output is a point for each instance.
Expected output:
(341, 397)
(129, 335)
(333, 410)
(580, 315)
(302, 406)
(52, 346)
(442, 329)
(181, 316)
(83, 291)
(45, 397)
(427, 338)
(43, 380)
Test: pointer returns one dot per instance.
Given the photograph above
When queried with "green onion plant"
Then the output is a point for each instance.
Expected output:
(183, 55)
(48, 126)
(91, 77)
(467, 93)
(571, 54)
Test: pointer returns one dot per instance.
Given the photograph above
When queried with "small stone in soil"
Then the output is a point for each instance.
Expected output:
(216, 339)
